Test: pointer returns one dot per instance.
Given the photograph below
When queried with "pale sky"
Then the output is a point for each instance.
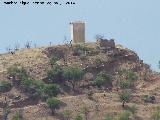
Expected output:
(133, 23)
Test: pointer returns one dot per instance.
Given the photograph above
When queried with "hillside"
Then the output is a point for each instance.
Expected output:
(114, 60)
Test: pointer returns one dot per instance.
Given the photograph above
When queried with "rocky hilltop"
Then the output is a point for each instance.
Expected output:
(108, 70)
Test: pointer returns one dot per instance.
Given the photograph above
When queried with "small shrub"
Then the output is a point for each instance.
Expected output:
(35, 88)
(99, 61)
(52, 90)
(128, 74)
(6, 110)
(17, 116)
(108, 117)
(133, 109)
(17, 72)
(67, 114)
(78, 117)
(26, 83)
(131, 76)
(155, 115)
(125, 84)
(124, 115)
(102, 79)
(53, 104)
(55, 74)
(39, 86)
(149, 99)
(5, 86)
(53, 60)
(99, 81)
(85, 111)
(90, 95)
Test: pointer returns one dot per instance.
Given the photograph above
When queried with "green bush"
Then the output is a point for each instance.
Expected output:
(131, 76)
(55, 74)
(124, 115)
(99, 61)
(84, 48)
(34, 87)
(90, 95)
(40, 86)
(125, 84)
(102, 79)
(108, 117)
(99, 81)
(133, 109)
(52, 90)
(5, 86)
(149, 98)
(67, 114)
(78, 117)
(17, 116)
(53, 104)
(156, 114)
(17, 72)
(53, 60)
(27, 83)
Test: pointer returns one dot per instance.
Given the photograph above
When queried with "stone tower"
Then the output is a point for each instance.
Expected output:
(77, 32)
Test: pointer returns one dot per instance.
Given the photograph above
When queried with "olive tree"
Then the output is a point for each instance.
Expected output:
(73, 75)
(124, 97)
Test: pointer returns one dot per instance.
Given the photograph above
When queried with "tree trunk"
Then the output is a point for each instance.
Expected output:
(123, 104)
(52, 110)
(73, 85)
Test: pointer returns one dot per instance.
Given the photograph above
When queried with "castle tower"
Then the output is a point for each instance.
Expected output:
(77, 32)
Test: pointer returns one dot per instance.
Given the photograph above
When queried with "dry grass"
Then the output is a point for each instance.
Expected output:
(32, 59)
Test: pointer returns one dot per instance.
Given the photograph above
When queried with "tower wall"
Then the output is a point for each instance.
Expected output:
(77, 32)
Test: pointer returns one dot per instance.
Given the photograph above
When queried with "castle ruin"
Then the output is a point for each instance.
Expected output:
(77, 32)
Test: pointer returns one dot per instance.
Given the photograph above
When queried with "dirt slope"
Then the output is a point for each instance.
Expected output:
(36, 62)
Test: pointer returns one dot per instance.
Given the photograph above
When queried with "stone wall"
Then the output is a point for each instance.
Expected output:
(105, 44)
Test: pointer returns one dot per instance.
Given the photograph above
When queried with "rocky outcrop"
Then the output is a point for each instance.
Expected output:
(105, 44)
